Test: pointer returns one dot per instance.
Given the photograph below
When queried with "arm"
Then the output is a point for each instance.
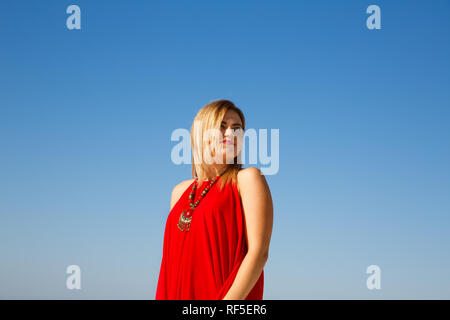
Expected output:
(258, 211)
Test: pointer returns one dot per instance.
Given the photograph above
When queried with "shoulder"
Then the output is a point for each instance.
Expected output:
(250, 172)
(178, 191)
(250, 178)
(255, 195)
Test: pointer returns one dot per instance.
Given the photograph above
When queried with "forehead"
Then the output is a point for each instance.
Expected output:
(232, 115)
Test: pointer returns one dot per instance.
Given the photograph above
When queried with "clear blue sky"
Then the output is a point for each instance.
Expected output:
(86, 117)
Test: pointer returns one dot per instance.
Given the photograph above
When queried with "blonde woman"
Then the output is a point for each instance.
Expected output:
(217, 234)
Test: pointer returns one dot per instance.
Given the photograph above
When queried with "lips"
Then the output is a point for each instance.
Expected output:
(227, 142)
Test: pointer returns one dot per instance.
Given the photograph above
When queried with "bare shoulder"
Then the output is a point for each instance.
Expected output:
(251, 178)
(178, 191)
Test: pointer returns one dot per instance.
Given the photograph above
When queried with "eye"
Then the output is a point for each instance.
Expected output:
(237, 130)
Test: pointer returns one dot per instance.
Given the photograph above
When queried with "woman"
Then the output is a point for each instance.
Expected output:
(217, 234)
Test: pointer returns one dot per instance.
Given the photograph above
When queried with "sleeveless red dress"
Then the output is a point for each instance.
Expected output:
(202, 263)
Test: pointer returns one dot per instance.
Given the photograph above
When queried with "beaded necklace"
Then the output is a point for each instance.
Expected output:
(186, 216)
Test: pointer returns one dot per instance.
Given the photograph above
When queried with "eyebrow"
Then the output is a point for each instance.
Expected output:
(236, 123)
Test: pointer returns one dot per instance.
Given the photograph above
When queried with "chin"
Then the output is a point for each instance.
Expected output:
(225, 159)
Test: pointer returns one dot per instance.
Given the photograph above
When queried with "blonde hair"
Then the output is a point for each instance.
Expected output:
(207, 119)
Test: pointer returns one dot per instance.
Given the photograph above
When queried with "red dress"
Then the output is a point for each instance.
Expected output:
(202, 263)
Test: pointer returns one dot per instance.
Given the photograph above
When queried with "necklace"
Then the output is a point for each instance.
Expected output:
(186, 216)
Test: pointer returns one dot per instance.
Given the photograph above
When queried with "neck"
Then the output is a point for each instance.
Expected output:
(214, 171)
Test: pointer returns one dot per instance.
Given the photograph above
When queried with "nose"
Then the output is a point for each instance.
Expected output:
(228, 132)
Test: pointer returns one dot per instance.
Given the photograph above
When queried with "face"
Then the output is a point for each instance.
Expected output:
(232, 135)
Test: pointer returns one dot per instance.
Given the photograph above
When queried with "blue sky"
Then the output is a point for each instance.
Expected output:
(86, 118)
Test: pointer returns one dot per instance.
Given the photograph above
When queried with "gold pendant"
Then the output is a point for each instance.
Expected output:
(184, 222)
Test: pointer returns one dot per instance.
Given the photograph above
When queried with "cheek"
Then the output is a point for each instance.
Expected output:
(239, 139)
